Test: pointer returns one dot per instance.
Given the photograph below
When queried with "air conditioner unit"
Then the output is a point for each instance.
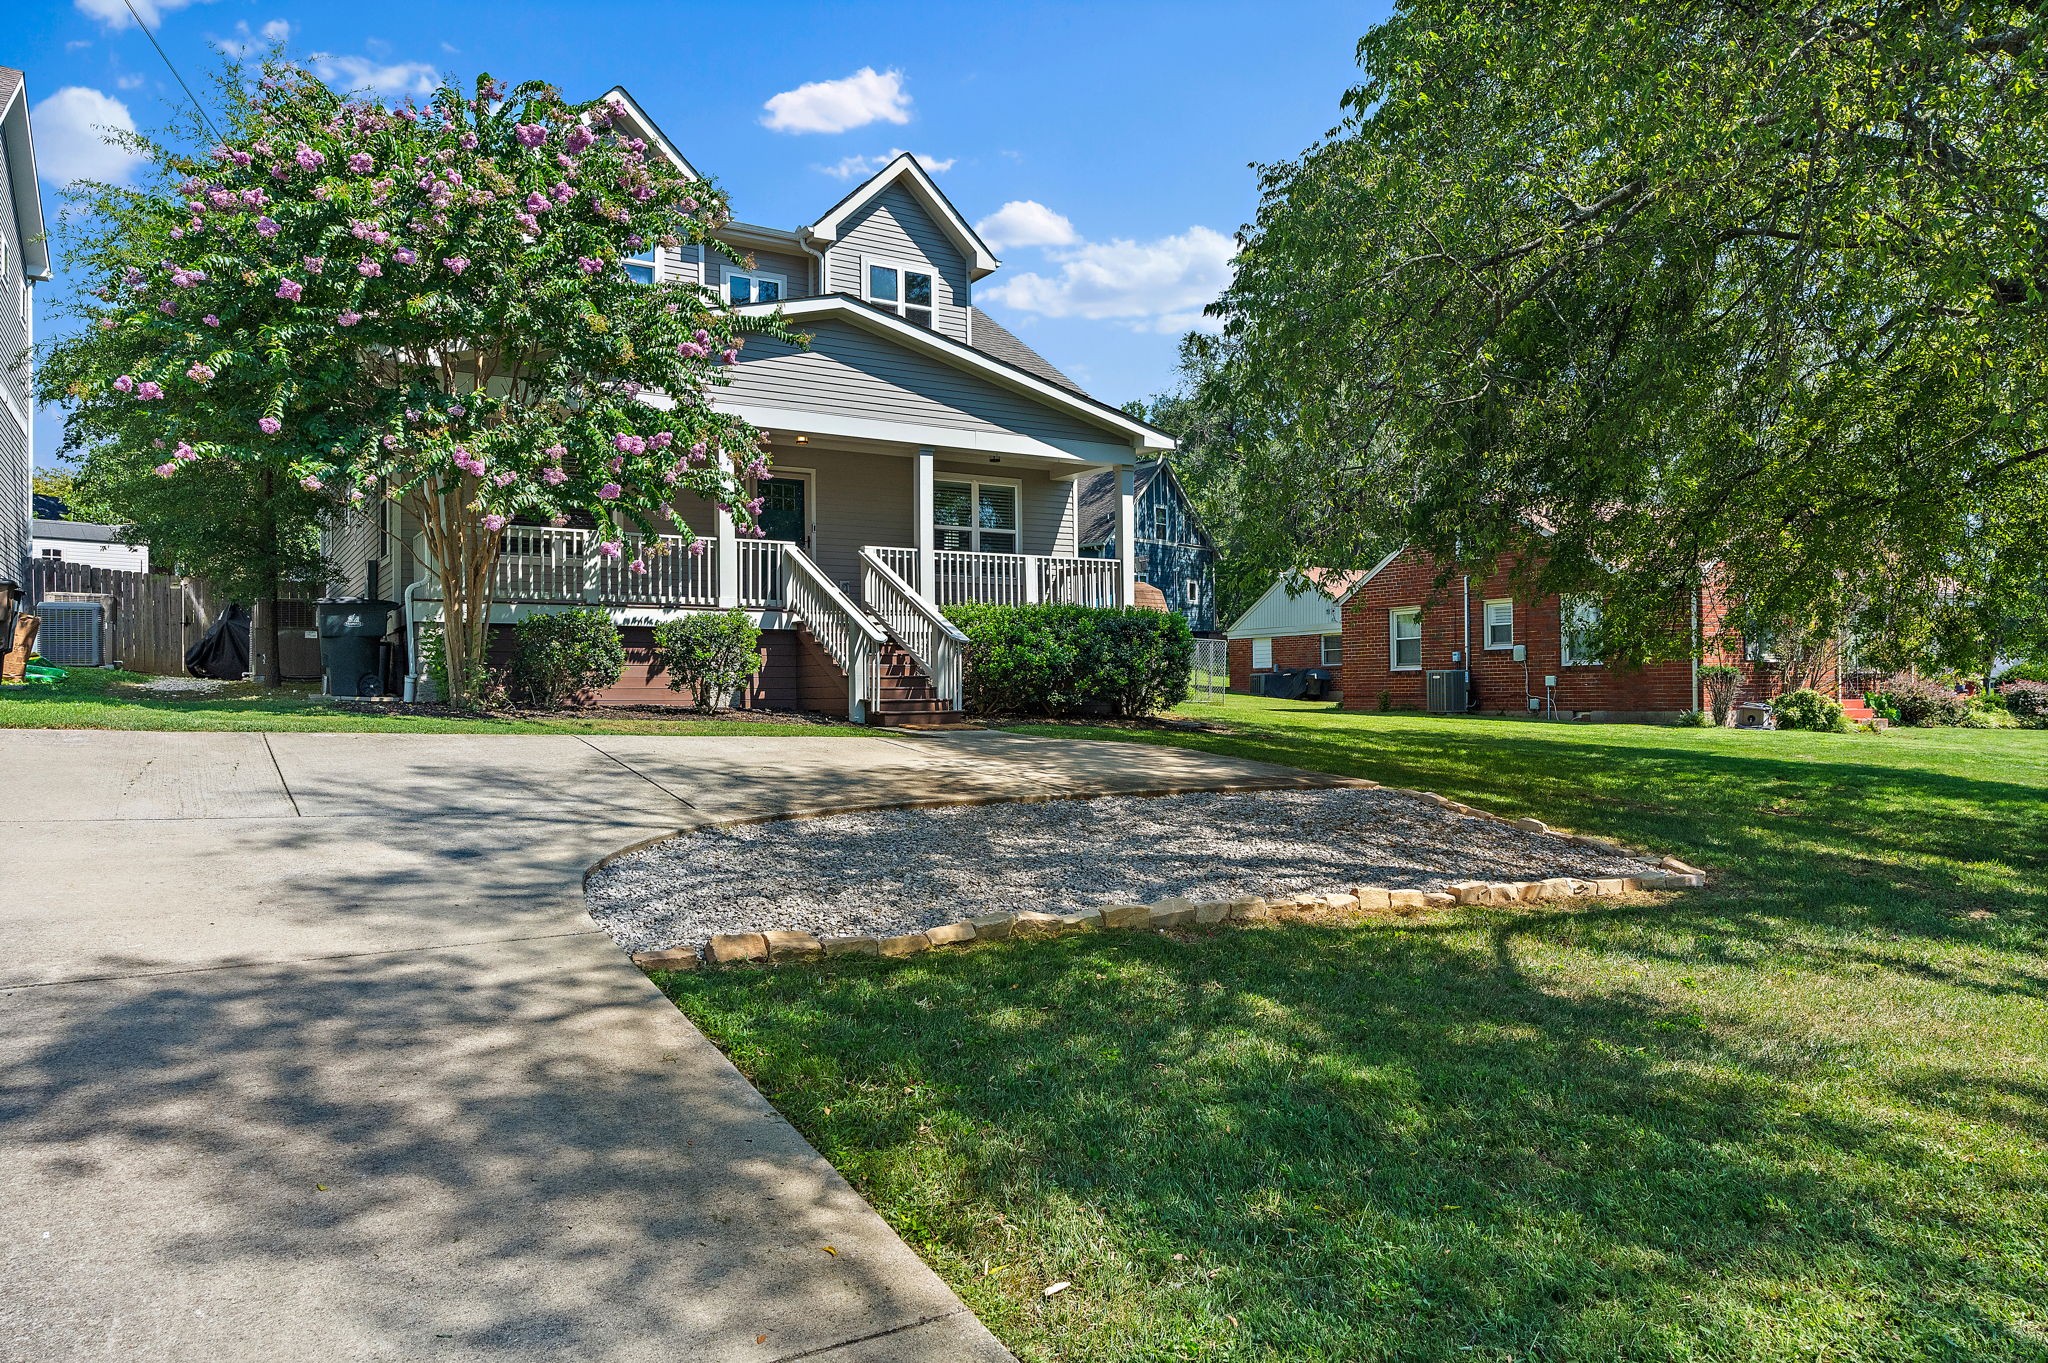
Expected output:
(1447, 691)
(72, 633)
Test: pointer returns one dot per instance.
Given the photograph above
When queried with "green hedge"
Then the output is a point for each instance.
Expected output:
(565, 655)
(1063, 661)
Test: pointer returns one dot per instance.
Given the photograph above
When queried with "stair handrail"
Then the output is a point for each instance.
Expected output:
(842, 629)
(938, 645)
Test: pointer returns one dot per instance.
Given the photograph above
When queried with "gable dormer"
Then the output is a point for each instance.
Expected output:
(897, 243)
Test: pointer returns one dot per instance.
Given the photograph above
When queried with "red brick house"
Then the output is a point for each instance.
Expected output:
(1296, 623)
(1524, 655)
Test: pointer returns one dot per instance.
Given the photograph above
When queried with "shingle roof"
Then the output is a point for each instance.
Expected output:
(10, 81)
(1099, 501)
(996, 341)
(1333, 582)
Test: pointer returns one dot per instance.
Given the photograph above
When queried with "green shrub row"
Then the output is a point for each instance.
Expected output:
(1066, 661)
(1809, 709)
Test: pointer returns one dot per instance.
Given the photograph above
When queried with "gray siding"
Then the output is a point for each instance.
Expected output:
(861, 500)
(794, 269)
(851, 372)
(1047, 503)
(16, 504)
(684, 265)
(895, 225)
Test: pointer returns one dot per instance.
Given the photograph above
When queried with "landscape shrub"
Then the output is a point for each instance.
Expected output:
(565, 654)
(711, 655)
(1923, 704)
(1808, 709)
(1696, 719)
(1880, 705)
(1062, 661)
(1723, 687)
(2027, 701)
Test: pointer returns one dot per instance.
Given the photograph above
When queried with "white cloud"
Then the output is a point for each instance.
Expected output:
(131, 81)
(248, 44)
(860, 167)
(1158, 285)
(114, 14)
(69, 144)
(1026, 222)
(834, 106)
(350, 74)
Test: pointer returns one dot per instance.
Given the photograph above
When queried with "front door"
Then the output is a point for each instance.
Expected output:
(785, 509)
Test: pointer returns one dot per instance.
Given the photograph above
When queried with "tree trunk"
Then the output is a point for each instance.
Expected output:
(464, 555)
(263, 631)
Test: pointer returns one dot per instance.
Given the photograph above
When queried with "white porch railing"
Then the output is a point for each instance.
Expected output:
(540, 563)
(761, 572)
(1011, 579)
(675, 575)
(938, 645)
(846, 634)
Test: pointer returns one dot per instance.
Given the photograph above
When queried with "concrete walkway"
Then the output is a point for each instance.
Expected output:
(308, 1048)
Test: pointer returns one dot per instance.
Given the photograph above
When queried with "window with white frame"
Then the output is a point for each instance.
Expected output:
(1333, 650)
(1192, 591)
(1162, 523)
(1578, 624)
(1404, 639)
(1500, 624)
(905, 290)
(640, 266)
(977, 516)
(1262, 653)
(754, 286)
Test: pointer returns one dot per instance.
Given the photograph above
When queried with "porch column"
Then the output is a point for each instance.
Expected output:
(1126, 532)
(924, 513)
(728, 548)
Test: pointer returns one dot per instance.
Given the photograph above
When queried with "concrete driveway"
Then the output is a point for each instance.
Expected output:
(307, 1048)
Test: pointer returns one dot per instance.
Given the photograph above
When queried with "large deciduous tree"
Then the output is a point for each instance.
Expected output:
(423, 302)
(1653, 288)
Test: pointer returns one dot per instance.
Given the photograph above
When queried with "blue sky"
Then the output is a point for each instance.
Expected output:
(1105, 146)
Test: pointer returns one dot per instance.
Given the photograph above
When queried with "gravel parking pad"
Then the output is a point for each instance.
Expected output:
(903, 871)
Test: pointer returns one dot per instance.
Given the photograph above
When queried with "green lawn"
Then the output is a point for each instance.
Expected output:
(1802, 1114)
(91, 698)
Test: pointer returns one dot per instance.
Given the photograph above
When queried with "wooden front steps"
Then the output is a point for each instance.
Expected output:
(905, 696)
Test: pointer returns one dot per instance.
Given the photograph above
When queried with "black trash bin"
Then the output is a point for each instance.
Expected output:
(351, 663)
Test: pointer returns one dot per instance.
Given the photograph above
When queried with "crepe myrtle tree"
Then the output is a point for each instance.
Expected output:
(422, 302)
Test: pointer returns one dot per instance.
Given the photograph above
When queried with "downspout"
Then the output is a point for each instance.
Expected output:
(1466, 657)
(803, 241)
(412, 649)
(1697, 645)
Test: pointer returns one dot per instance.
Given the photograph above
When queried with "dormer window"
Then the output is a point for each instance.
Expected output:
(750, 286)
(903, 290)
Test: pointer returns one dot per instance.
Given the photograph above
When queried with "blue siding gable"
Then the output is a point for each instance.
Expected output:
(1172, 551)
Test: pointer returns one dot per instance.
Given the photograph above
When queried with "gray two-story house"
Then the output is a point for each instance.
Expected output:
(1169, 548)
(24, 261)
(921, 456)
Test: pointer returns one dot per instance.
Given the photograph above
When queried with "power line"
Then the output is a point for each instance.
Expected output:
(204, 117)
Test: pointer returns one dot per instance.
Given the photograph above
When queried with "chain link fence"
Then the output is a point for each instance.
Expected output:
(1212, 670)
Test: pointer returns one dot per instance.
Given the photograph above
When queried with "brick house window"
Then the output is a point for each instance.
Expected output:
(1333, 650)
(1500, 624)
(1404, 639)
(1262, 653)
(1578, 620)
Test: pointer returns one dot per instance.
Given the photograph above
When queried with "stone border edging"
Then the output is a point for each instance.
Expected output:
(1175, 911)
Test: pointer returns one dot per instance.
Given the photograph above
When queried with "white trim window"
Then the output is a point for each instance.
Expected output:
(643, 267)
(1404, 639)
(1333, 650)
(1262, 655)
(1578, 620)
(978, 515)
(1162, 523)
(909, 291)
(1191, 591)
(1500, 624)
(754, 286)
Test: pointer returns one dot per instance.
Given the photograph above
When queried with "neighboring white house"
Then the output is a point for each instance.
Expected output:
(24, 261)
(922, 455)
(95, 546)
(1296, 623)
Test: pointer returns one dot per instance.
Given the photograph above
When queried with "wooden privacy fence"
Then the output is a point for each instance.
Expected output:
(151, 618)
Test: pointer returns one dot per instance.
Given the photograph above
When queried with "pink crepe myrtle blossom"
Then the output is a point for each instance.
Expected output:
(456, 264)
(731, 355)
(166, 470)
(610, 492)
(106, 324)
(577, 138)
(313, 264)
(553, 477)
(199, 373)
(610, 548)
(697, 548)
(618, 463)
(362, 163)
(348, 319)
(269, 425)
(184, 454)
(456, 409)
(505, 478)
(368, 268)
(290, 290)
(629, 443)
(538, 202)
(494, 522)
(638, 565)
(310, 483)
(528, 223)
(589, 264)
(148, 391)
(308, 159)
(390, 442)
(562, 191)
(529, 134)
(468, 141)
(169, 307)
(404, 256)
(558, 520)
(210, 320)
(267, 227)
(186, 279)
